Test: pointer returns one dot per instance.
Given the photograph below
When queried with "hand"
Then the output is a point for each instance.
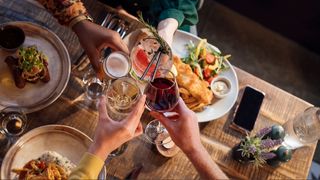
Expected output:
(184, 131)
(93, 38)
(166, 28)
(182, 127)
(110, 134)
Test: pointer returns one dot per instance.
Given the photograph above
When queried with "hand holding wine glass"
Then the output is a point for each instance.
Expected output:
(182, 126)
(111, 134)
(162, 96)
(184, 131)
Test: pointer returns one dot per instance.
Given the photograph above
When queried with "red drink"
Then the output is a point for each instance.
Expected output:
(162, 94)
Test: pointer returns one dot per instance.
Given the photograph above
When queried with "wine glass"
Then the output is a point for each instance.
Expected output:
(122, 96)
(162, 96)
(13, 124)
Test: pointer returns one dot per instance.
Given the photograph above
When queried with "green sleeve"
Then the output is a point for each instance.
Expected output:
(184, 11)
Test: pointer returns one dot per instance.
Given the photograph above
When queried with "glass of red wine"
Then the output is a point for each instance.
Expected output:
(162, 96)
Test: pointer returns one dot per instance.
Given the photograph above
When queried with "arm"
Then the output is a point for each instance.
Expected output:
(184, 11)
(176, 14)
(93, 38)
(184, 131)
(109, 135)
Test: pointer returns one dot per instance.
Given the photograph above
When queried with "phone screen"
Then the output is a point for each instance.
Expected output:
(248, 108)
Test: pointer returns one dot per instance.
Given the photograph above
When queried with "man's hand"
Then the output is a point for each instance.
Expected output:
(183, 127)
(184, 131)
(111, 134)
(93, 38)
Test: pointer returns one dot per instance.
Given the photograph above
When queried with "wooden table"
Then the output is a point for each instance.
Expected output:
(74, 110)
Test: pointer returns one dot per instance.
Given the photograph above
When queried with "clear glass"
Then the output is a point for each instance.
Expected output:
(142, 54)
(116, 65)
(94, 87)
(13, 124)
(122, 96)
(303, 129)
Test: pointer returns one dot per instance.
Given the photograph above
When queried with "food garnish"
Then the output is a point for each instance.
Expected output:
(205, 61)
(164, 48)
(32, 62)
(30, 65)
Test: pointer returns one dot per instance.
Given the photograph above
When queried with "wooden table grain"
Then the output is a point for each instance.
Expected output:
(73, 109)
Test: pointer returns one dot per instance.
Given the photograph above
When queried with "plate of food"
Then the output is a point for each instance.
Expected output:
(51, 149)
(202, 71)
(199, 66)
(35, 74)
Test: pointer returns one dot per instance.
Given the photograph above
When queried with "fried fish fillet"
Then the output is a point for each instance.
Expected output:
(191, 82)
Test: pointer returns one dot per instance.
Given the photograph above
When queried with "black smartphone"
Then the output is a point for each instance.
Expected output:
(247, 111)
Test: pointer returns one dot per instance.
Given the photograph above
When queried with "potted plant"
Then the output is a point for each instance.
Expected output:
(264, 147)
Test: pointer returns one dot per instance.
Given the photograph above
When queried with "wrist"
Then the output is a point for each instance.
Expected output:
(195, 151)
(98, 151)
(77, 25)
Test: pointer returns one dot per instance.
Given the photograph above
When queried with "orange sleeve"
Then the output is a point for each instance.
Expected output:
(64, 10)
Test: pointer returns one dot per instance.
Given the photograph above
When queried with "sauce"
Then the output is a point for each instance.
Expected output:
(116, 65)
(11, 37)
(14, 124)
(220, 87)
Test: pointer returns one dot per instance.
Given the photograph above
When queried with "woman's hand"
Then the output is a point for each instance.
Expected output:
(111, 134)
(93, 38)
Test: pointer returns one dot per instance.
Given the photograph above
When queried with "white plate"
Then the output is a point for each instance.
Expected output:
(65, 140)
(221, 106)
(34, 97)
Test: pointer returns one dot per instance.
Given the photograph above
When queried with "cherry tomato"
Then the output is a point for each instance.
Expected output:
(41, 165)
(210, 58)
(210, 79)
(206, 73)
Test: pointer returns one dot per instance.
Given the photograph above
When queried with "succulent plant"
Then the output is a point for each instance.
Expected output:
(261, 147)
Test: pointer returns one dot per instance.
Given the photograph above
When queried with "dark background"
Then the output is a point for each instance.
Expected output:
(298, 20)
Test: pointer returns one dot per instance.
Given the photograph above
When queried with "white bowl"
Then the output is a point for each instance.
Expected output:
(217, 93)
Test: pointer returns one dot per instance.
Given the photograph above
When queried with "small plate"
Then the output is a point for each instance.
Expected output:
(36, 96)
(65, 140)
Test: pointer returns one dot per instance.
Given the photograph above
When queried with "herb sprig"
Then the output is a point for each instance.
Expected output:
(164, 48)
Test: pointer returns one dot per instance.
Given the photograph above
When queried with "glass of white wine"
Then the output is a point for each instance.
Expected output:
(122, 96)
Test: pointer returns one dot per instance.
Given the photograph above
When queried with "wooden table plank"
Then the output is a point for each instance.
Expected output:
(73, 109)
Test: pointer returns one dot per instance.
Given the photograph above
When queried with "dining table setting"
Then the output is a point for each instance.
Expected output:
(58, 112)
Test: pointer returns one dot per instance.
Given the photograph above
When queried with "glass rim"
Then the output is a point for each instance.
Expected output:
(173, 76)
(127, 79)
(105, 60)
(148, 139)
(18, 110)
